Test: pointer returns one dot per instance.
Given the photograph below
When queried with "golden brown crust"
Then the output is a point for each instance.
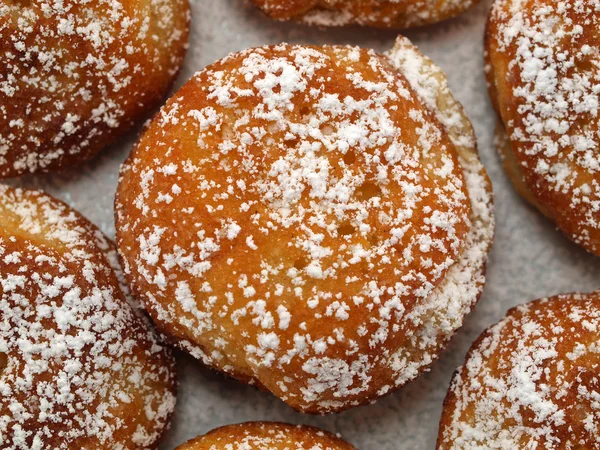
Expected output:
(545, 90)
(79, 366)
(298, 218)
(514, 170)
(531, 381)
(266, 436)
(375, 13)
(74, 76)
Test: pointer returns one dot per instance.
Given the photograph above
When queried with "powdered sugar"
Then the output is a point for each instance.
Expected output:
(80, 361)
(354, 221)
(530, 382)
(266, 436)
(552, 107)
(438, 318)
(74, 75)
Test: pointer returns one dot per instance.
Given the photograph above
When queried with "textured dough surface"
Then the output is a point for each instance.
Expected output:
(513, 169)
(544, 75)
(376, 13)
(531, 381)
(79, 366)
(75, 75)
(293, 214)
(266, 436)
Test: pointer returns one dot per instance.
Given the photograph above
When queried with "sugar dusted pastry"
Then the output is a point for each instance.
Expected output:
(311, 220)
(543, 66)
(266, 436)
(75, 75)
(375, 13)
(79, 365)
(530, 382)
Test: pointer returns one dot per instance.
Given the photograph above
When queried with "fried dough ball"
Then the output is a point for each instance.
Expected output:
(311, 220)
(75, 75)
(375, 13)
(80, 367)
(266, 436)
(544, 71)
(531, 381)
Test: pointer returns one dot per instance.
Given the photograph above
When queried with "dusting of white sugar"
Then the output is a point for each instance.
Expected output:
(76, 74)
(266, 436)
(79, 365)
(544, 68)
(340, 224)
(531, 381)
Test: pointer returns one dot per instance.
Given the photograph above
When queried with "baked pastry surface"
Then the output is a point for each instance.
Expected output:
(531, 381)
(375, 13)
(80, 367)
(312, 220)
(75, 75)
(266, 436)
(543, 69)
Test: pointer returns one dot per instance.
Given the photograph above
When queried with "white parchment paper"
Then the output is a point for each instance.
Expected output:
(530, 258)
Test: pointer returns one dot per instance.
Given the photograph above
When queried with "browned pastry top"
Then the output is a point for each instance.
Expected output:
(531, 381)
(79, 366)
(544, 74)
(377, 13)
(75, 74)
(293, 213)
(266, 436)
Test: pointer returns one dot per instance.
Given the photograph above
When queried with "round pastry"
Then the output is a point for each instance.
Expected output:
(375, 13)
(79, 365)
(75, 75)
(266, 436)
(312, 220)
(531, 381)
(543, 67)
